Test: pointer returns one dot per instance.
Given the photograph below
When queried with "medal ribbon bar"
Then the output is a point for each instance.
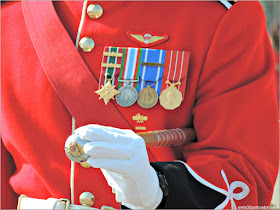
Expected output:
(130, 66)
(111, 65)
(176, 69)
(150, 74)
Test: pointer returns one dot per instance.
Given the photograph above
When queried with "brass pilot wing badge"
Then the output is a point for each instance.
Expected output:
(146, 39)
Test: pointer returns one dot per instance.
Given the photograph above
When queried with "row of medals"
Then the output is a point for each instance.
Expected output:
(170, 98)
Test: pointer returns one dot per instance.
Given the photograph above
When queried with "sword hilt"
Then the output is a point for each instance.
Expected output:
(170, 137)
(158, 138)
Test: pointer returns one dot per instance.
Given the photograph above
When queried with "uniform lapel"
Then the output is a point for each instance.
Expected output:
(65, 68)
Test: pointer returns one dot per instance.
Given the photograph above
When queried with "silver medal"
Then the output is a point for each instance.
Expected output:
(127, 97)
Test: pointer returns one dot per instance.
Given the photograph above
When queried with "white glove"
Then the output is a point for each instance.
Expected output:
(123, 159)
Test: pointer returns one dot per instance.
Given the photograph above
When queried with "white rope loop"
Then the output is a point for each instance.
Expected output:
(231, 196)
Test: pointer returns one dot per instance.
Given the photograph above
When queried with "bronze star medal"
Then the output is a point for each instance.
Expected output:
(107, 92)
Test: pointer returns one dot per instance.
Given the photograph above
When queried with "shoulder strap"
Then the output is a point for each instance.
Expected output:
(66, 70)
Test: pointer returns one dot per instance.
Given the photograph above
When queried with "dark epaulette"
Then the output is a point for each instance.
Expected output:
(228, 4)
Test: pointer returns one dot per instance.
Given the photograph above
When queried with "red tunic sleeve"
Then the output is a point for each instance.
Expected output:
(235, 114)
(234, 162)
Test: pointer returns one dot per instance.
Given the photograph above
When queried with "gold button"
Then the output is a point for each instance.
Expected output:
(86, 44)
(85, 164)
(87, 199)
(94, 11)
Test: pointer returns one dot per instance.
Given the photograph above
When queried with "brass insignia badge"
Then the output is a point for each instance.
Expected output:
(140, 128)
(139, 118)
(107, 92)
(147, 39)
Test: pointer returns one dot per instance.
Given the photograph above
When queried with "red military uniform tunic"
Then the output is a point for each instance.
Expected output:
(229, 98)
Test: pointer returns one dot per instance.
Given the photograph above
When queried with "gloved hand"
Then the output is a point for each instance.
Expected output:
(122, 157)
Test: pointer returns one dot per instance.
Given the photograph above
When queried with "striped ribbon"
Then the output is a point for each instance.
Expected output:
(151, 74)
(176, 69)
(131, 62)
(107, 72)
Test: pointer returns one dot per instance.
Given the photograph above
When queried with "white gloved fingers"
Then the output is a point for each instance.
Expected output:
(112, 165)
(106, 150)
(101, 127)
(95, 132)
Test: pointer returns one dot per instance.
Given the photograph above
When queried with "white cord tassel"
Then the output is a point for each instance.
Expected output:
(72, 173)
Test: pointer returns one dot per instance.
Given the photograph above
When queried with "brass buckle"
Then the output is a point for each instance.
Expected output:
(67, 203)
(152, 64)
(19, 200)
(128, 80)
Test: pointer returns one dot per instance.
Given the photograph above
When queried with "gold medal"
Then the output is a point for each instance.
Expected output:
(107, 92)
(147, 97)
(171, 97)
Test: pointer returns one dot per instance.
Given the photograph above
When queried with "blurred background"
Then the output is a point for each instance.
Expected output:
(271, 10)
